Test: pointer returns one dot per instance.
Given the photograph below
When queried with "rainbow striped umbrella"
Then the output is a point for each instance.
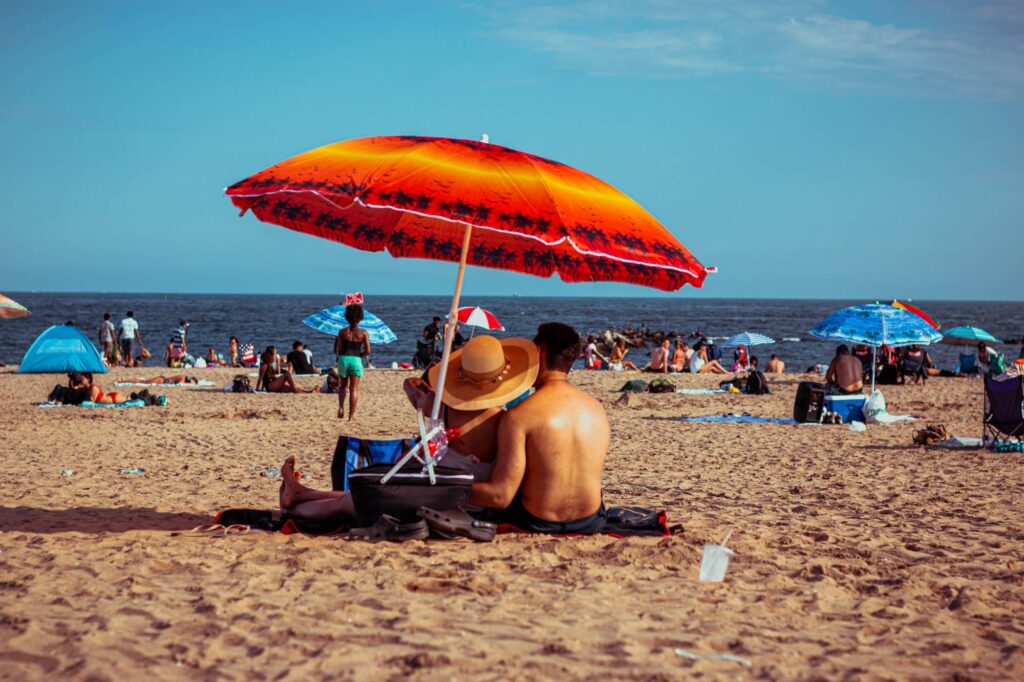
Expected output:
(10, 308)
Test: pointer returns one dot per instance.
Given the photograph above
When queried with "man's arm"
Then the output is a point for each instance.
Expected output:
(830, 373)
(509, 466)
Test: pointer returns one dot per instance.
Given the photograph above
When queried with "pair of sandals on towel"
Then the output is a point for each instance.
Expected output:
(448, 525)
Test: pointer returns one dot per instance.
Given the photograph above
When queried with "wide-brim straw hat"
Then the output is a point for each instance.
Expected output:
(488, 372)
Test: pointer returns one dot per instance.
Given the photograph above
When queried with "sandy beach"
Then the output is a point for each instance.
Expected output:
(859, 556)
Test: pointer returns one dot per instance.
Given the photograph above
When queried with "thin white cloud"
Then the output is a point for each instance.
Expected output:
(964, 50)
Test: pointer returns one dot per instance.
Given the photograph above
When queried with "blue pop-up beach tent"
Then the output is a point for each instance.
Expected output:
(62, 348)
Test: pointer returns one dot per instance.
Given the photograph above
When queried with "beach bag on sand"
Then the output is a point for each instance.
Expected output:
(930, 435)
(809, 403)
(757, 384)
(240, 384)
(661, 386)
(407, 491)
(634, 386)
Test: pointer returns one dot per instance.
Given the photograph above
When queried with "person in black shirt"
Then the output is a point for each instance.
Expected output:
(299, 361)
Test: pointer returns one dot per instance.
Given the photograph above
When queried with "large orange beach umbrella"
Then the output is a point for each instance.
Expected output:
(471, 202)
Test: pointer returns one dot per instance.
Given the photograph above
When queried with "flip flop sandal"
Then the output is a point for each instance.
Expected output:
(391, 529)
(207, 531)
(237, 529)
(457, 523)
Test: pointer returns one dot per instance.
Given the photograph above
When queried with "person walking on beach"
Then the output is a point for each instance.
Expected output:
(351, 345)
(107, 338)
(180, 340)
(127, 334)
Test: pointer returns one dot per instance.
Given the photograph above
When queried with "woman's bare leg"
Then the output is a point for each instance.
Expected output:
(342, 387)
(299, 500)
(353, 397)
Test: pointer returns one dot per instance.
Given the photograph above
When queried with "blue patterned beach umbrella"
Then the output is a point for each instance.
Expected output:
(332, 320)
(875, 324)
(968, 336)
(747, 339)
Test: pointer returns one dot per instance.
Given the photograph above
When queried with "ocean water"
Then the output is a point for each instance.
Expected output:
(277, 320)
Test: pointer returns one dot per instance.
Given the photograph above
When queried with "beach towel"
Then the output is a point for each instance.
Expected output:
(622, 522)
(202, 382)
(130, 403)
(731, 418)
(701, 391)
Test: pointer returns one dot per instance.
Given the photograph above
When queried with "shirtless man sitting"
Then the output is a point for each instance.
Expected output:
(775, 366)
(845, 373)
(551, 450)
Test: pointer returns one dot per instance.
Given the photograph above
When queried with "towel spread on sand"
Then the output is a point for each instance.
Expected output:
(202, 382)
(700, 391)
(959, 443)
(737, 419)
(130, 403)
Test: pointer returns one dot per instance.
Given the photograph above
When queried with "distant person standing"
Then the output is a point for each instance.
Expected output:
(128, 333)
(233, 352)
(107, 338)
(180, 338)
(352, 345)
(426, 345)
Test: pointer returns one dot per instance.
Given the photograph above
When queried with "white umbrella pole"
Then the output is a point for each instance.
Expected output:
(453, 318)
(874, 364)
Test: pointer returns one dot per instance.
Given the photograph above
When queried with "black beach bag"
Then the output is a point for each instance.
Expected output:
(810, 401)
(757, 384)
(406, 491)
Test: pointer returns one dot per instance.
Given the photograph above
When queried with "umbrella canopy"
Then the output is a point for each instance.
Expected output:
(430, 197)
(875, 324)
(968, 336)
(414, 196)
(332, 320)
(478, 317)
(747, 339)
(10, 308)
(917, 311)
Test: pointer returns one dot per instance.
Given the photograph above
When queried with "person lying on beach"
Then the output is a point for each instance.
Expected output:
(775, 366)
(272, 380)
(845, 374)
(332, 381)
(75, 392)
(483, 376)
(617, 358)
(174, 379)
(659, 359)
(700, 364)
(96, 394)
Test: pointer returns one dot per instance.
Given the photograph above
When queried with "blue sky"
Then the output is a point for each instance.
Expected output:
(806, 148)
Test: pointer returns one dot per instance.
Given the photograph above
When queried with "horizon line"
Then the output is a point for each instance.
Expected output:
(661, 295)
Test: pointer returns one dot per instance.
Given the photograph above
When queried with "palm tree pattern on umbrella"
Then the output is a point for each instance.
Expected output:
(413, 196)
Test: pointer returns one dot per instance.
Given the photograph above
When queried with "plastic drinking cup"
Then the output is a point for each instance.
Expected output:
(715, 563)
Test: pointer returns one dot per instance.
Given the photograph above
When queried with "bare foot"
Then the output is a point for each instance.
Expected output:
(341, 413)
(289, 489)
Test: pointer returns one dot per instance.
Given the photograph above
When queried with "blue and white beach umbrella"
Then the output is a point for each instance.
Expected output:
(967, 336)
(747, 339)
(332, 320)
(875, 324)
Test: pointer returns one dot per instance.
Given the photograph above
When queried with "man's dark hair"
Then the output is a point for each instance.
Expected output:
(106, 316)
(437, 319)
(560, 344)
(753, 360)
(297, 345)
(131, 314)
(354, 313)
(843, 349)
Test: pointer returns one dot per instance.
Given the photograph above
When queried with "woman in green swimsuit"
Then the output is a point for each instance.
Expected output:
(351, 346)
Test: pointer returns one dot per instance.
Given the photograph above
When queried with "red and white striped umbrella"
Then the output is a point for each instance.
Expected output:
(478, 317)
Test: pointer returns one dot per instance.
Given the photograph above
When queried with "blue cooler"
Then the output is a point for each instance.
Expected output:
(851, 407)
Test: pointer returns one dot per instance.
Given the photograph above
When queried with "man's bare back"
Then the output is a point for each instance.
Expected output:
(551, 450)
